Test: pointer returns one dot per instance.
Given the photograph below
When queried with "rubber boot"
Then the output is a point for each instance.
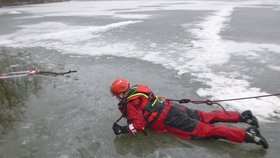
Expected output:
(249, 118)
(253, 135)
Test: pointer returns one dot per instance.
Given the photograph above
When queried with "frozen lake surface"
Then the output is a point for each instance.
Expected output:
(182, 49)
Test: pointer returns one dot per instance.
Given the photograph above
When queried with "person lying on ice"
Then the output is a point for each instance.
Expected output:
(143, 110)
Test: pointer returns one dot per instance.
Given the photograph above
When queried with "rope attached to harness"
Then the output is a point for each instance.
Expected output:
(213, 102)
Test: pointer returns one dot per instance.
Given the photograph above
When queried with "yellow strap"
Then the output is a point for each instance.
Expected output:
(134, 87)
(137, 95)
(155, 101)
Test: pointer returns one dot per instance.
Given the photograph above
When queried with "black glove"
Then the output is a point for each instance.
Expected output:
(118, 129)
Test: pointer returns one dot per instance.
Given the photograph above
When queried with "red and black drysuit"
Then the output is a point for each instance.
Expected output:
(144, 110)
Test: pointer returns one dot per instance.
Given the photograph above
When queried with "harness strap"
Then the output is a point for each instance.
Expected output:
(158, 108)
(137, 94)
(152, 107)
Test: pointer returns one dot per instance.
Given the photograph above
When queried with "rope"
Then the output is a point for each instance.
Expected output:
(254, 97)
(212, 102)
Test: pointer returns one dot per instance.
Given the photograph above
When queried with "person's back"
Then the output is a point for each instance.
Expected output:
(143, 108)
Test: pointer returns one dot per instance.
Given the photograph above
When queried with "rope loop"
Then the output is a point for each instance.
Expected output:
(184, 101)
(209, 102)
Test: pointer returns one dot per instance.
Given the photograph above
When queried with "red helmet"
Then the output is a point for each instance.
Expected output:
(118, 86)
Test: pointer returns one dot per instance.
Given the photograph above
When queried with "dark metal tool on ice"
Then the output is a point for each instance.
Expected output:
(34, 71)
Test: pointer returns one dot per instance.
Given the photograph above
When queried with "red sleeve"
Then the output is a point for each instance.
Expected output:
(135, 116)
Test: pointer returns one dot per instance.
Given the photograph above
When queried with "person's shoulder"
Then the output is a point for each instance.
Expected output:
(143, 86)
